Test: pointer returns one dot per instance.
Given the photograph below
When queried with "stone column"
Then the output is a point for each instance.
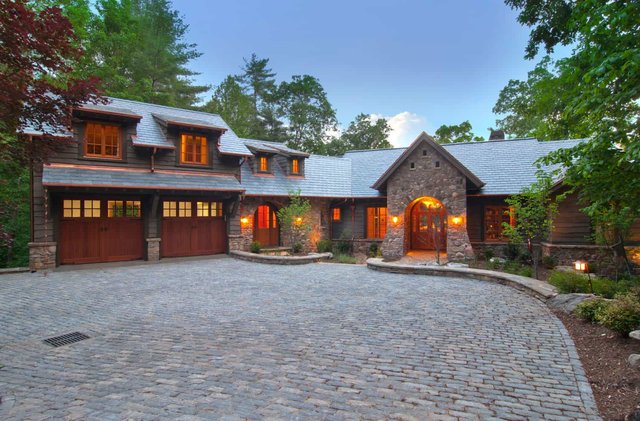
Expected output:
(153, 249)
(42, 255)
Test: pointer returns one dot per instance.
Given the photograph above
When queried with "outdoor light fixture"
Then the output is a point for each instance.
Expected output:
(244, 220)
(394, 219)
(456, 220)
(582, 266)
(298, 220)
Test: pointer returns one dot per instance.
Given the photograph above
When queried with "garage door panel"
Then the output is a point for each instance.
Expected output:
(192, 228)
(176, 237)
(79, 242)
(123, 239)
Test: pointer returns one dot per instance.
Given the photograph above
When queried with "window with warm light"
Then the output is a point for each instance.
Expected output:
(216, 209)
(169, 209)
(72, 208)
(102, 141)
(92, 209)
(266, 217)
(494, 217)
(335, 214)
(193, 150)
(123, 209)
(263, 164)
(184, 209)
(295, 166)
(376, 222)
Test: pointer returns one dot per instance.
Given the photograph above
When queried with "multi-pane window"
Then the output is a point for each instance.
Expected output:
(335, 214)
(376, 222)
(494, 216)
(193, 149)
(216, 209)
(169, 209)
(102, 141)
(266, 217)
(295, 166)
(123, 209)
(71, 208)
(213, 209)
(263, 164)
(184, 209)
(91, 208)
(202, 209)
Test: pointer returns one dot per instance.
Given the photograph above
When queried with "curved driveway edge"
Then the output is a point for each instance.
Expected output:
(539, 289)
(280, 260)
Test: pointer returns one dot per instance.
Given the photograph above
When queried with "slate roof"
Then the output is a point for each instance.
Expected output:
(64, 175)
(149, 131)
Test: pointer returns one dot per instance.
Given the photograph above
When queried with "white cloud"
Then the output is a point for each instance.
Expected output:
(405, 127)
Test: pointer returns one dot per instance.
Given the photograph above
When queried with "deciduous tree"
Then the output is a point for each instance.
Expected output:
(456, 133)
(363, 133)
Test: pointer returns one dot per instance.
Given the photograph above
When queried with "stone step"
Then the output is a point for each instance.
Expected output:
(635, 334)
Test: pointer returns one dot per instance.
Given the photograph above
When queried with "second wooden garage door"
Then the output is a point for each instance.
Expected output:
(192, 228)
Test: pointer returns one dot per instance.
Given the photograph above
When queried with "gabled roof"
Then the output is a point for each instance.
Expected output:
(109, 110)
(424, 138)
(271, 147)
(167, 120)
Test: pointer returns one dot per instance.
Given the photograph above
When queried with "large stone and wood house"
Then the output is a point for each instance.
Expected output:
(145, 181)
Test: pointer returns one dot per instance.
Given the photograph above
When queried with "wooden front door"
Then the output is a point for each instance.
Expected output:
(100, 230)
(428, 226)
(192, 228)
(265, 226)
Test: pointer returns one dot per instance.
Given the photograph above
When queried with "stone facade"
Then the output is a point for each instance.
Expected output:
(426, 173)
(599, 257)
(243, 232)
(42, 255)
(153, 249)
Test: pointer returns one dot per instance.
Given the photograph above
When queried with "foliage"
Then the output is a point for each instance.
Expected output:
(307, 111)
(512, 251)
(488, 254)
(296, 248)
(234, 106)
(374, 250)
(571, 282)
(621, 315)
(590, 310)
(603, 103)
(324, 246)
(295, 221)
(138, 49)
(344, 246)
(548, 262)
(456, 133)
(517, 268)
(255, 247)
(533, 209)
(14, 214)
(345, 258)
(363, 132)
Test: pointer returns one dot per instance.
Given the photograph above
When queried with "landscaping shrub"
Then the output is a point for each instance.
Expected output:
(569, 282)
(345, 258)
(621, 315)
(374, 250)
(297, 247)
(548, 262)
(494, 264)
(591, 310)
(518, 269)
(525, 258)
(324, 246)
(488, 254)
(512, 251)
(255, 247)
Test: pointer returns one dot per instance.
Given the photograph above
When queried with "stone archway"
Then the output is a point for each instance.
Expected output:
(426, 224)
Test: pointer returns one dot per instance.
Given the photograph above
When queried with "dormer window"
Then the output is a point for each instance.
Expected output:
(102, 141)
(295, 166)
(263, 164)
(193, 149)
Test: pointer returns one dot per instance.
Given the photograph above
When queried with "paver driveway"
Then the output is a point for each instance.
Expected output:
(219, 337)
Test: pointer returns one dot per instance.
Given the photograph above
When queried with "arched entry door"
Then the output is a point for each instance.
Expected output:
(265, 226)
(428, 225)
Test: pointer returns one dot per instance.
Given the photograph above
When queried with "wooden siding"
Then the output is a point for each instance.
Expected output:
(571, 226)
(475, 215)
(353, 221)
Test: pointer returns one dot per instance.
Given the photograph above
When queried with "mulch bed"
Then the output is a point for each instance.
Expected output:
(615, 385)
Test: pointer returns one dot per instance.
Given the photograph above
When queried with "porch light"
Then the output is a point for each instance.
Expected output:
(456, 220)
(244, 220)
(298, 220)
(394, 219)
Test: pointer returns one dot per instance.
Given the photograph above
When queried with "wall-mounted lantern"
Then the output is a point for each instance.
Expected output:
(394, 219)
(244, 221)
(456, 221)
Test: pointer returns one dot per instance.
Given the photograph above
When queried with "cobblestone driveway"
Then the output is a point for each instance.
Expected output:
(224, 339)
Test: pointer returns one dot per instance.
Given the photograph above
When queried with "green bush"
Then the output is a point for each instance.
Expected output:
(512, 251)
(297, 247)
(255, 247)
(374, 250)
(517, 269)
(345, 258)
(488, 254)
(591, 310)
(548, 262)
(324, 246)
(621, 315)
(494, 264)
(569, 282)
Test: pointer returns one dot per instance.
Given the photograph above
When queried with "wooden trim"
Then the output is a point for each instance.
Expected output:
(194, 137)
(139, 170)
(105, 112)
(85, 153)
(144, 187)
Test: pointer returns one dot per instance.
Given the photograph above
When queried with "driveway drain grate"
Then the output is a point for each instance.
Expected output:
(66, 339)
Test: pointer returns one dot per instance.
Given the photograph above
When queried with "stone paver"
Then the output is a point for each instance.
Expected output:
(225, 339)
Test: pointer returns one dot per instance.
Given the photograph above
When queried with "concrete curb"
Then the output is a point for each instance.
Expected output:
(280, 260)
(8, 271)
(538, 289)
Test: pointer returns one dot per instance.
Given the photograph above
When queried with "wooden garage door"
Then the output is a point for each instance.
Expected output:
(100, 230)
(192, 228)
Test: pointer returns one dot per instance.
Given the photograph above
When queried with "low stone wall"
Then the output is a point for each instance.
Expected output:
(359, 245)
(42, 255)
(600, 258)
(496, 248)
(280, 260)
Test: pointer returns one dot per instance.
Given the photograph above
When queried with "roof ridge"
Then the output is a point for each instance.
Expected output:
(164, 106)
(375, 150)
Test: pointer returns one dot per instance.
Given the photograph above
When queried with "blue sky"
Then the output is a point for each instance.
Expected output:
(418, 63)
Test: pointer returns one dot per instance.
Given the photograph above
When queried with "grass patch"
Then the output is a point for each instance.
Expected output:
(344, 258)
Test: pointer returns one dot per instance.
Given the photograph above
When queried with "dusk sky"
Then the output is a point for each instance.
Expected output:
(419, 64)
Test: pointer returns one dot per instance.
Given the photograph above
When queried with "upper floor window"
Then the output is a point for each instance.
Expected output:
(494, 216)
(193, 150)
(376, 222)
(263, 164)
(102, 141)
(295, 166)
(335, 214)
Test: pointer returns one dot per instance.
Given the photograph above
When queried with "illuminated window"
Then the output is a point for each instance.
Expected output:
(71, 208)
(295, 166)
(169, 209)
(102, 141)
(216, 209)
(335, 214)
(123, 209)
(202, 208)
(193, 150)
(266, 217)
(92, 209)
(494, 216)
(376, 222)
(263, 164)
(184, 209)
